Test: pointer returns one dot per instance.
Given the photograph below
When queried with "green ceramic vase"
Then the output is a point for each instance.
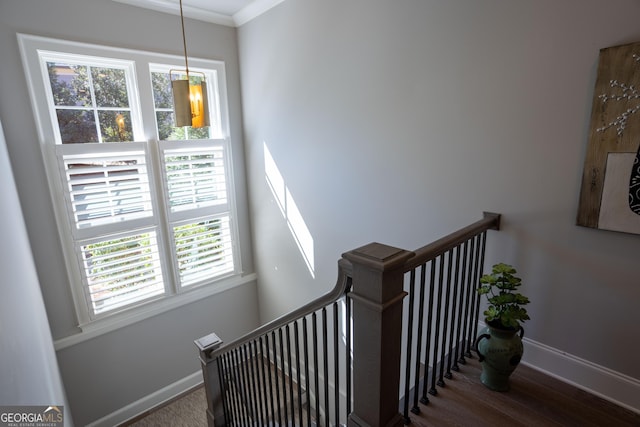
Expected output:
(499, 351)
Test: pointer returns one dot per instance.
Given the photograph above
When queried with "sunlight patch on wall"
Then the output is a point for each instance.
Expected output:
(289, 210)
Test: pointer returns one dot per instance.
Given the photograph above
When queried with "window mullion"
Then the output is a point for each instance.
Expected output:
(161, 207)
(94, 104)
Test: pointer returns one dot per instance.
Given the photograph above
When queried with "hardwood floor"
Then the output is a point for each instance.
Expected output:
(535, 399)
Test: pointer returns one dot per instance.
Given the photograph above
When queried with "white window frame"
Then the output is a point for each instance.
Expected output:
(139, 64)
(204, 212)
(127, 65)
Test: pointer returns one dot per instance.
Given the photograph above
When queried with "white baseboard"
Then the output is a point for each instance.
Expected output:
(150, 401)
(603, 382)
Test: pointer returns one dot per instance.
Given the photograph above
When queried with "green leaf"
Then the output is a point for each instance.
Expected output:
(505, 305)
(491, 313)
(488, 279)
(484, 290)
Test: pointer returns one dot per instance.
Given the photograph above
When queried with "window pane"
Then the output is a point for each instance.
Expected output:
(69, 84)
(203, 250)
(195, 178)
(77, 126)
(122, 271)
(110, 87)
(115, 126)
(163, 102)
(197, 133)
(166, 130)
(162, 96)
(107, 189)
(83, 94)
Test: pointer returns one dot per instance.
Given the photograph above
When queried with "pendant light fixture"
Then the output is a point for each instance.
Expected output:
(190, 103)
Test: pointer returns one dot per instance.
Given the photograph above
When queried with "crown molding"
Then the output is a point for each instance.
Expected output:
(173, 8)
(251, 11)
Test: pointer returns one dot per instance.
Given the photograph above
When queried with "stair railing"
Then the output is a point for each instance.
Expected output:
(337, 360)
(441, 313)
(293, 370)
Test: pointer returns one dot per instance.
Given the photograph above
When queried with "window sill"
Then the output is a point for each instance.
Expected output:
(117, 321)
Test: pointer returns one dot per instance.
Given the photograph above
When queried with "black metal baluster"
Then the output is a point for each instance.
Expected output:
(427, 354)
(483, 241)
(454, 320)
(467, 309)
(407, 376)
(347, 306)
(242, 388)
(445, 321)
(336, 372)
(305, 339)
(246, 380)
(255, 359)
(246, 388)
(276, 376)
(459, 357)
(436, 345)
(326, 366)
(314, 324)
(296, 341)
(245, 383)
(283, 374)
(416, 385)
(265, 391)
(257, 356)
(242, 384)
(259, 361)
(224, 383)
(237, 387)
(272, 418)
(475, 302)
(251, 386)
(230, 398)
(287, 332)
(233, 396)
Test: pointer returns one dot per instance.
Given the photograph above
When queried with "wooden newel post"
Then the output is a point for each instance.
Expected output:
(377, 295)
(212, 380)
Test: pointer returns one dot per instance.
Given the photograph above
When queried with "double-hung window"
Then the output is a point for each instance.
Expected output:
(145, 209)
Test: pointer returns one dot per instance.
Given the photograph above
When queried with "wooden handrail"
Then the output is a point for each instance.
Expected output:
(341, 287)
(490, 221)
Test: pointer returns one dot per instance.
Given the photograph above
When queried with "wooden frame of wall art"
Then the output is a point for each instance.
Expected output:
(610, 193)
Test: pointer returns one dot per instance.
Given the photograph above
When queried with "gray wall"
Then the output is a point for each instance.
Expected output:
(29, 374)
(401, 121)
(113, 370)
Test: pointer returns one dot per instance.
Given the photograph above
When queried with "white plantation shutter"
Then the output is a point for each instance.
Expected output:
(106, 183)
(108, 194)
(203, 250)
(195, 181)
(122, 270)
(195, 176)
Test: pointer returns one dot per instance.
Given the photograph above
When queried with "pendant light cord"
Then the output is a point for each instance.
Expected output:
(184, 41)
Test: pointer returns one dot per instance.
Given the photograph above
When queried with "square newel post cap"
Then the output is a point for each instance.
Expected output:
(207, 344)
(377, 256)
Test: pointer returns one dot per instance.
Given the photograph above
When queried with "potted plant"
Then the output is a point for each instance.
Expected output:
(499, 345)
